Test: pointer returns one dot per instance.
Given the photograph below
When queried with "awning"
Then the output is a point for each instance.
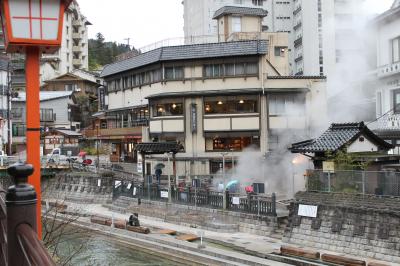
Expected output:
(158, 147)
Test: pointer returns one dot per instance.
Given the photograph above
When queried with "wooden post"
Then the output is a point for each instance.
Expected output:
(33, 125)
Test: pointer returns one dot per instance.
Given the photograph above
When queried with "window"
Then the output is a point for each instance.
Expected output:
(67, 30)
(286, 104)
(258, 2)
(68, 58)
(170, 108)
(396, 50)
(396, 101)
(70, 87)
(230, 105)
(231, 143)
(174, 73)
(238, 2)
(279, 51)
(236, 24)
(215, 70)
(378, 104)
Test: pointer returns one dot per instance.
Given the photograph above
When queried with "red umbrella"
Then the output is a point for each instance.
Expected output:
(82, 153)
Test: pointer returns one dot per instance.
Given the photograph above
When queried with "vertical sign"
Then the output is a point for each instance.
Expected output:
(139, 163)
(193, 117)
(102, 97)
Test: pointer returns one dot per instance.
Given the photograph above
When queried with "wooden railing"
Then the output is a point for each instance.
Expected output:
(19, 243)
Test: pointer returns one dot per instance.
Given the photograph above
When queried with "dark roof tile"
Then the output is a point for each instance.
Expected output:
(236, 10)
(184, 52)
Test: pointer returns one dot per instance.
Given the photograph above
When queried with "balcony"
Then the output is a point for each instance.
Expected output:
(133, 128)
(76, 36)
(298, 41)
(297, 10)
(297, 26)
(232, 122)
(388, 70)
(76, 62)
(77, 23)
(76, 49)
(298, 58)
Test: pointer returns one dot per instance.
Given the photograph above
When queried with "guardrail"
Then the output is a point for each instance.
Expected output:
(19, 243)
(249, 203)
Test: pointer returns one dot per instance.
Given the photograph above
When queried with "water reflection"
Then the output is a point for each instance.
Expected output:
(100, 250)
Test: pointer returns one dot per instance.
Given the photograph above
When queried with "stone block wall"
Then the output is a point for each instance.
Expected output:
(360, 225)
(207, 218)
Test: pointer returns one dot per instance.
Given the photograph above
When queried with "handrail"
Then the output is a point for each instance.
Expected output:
(34, 251)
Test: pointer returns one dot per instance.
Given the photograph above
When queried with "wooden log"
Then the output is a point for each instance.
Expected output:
(187, 237)
(121, 224)
(100, 220)
(167, 232)
(340, 260)
(377, 264)
(138, 229)
(298, 252)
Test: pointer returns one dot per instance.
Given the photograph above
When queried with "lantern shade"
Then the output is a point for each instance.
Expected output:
(33, 23)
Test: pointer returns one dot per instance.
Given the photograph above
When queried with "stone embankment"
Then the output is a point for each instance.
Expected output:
(359, 225)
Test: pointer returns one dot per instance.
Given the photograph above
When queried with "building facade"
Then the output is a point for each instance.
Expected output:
(387, 26)
(54, 106)
(321, 32)
(214, 98)
(4, 104)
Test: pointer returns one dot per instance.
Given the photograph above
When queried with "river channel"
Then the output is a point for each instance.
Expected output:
(100, 250)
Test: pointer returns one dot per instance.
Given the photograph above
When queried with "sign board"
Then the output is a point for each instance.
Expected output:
(164, 194)
(98, 182)
(308, 210)
(117, 183)
(129, 186)
(139, 163)
(134, 191)
(235, 200)
(193, 117)
(328, 166)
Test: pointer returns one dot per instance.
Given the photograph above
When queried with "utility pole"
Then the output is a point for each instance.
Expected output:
(97, 149)
(128, 40)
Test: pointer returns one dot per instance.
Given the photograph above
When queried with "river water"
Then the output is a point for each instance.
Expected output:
(100, 250)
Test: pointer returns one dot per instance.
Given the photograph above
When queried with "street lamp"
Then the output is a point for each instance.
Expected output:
(33, 27)
(70, 118)
(223, 154)
(169, 176)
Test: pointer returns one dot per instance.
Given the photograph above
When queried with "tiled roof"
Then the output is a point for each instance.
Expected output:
(336, 137)
(158, 147)
(185, 52)
(296, 77)
(68, 132)
(236, 10)
(44, 95)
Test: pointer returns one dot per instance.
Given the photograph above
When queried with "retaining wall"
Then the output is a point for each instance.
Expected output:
(360, 225)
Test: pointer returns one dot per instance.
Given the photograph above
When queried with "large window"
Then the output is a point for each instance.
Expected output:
(396, 101)
(396, 50)
(231, 69)
(236, 24)
(230, 105)
(232, 143)
(168, 108)
(258, 2)
(173, 73)
(286, 104)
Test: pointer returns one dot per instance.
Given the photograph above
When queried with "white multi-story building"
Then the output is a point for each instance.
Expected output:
(321, 32)
(3, 102)
(388, 75)
(73, 53)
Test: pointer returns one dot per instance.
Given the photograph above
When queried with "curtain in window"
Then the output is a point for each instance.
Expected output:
(252, 68)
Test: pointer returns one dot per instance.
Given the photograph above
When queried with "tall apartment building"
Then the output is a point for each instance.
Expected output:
(321, 32)
(73, 53)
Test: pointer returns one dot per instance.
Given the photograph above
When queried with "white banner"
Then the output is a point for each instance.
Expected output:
(164, 194)
(134, 191)
(117, 184)
(98, 182)
(139, 163)
(235, 200)
(129, 186)
(308, 210)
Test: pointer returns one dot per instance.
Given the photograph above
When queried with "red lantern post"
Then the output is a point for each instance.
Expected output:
(33, 27)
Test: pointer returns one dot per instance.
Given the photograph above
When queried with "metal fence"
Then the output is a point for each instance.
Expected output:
(250, 203)
(385, 183)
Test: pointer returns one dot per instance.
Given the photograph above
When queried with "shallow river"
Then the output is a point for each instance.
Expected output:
(100, 250)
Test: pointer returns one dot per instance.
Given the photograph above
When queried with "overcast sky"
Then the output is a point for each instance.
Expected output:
(149, 21)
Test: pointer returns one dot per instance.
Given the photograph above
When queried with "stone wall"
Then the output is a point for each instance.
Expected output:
(207, 218)
(360, 225)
